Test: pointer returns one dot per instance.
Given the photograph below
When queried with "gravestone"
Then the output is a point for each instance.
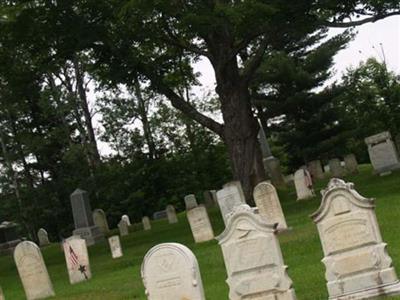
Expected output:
(83, 219)
(123, 228)
(146, 223)
(43, 237)
(303, 184)
(115, 246)
(351, 163)
(208, 198)
(272, 166)
(171, 214)
(8, 237)
(126, 219)
(1, 294)
(190, 201)
(77, 259)
(239, 190)
(228, 198)
(382, 153)
(289, 179)
(253, 258)
(336, 169)
(269, 207)
(200, 224)
(355, 257)
(171, 272)
(32, 271)
(100, 220)
(315, 169)
(158, 215)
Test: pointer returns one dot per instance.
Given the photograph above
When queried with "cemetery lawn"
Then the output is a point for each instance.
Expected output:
(120, 278)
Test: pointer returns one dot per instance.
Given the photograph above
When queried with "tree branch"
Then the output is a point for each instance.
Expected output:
(254, 62)
(360, 22)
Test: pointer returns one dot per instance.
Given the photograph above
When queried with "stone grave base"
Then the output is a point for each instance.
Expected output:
(8, 248)
(382, 290)
(387, 170)
(91, 235)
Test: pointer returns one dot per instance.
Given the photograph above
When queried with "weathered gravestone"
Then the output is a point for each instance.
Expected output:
(123, 228)
(190, 201)
(171, 272)
(126, 219)
(171, 214)
(303, 184)
(115, 246)
(8, 237)
(272, 166)
(351, 163)
(208, 198)
(315, 169)
(83, 219)
(200, 224)
(146, 223)
(356, 260)
(228, 198)
(100, 220)
(336, 168)
(77, 259)
(269, 207)
(253, 258)
(1, 294)
(32, 271)
(43, 237)
(236, 185)
(383, 153)
(158, 215)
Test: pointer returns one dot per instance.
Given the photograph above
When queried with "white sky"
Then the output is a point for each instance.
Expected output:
(373, 39)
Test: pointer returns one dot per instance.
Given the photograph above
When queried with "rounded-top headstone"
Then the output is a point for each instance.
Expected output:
(126, 219)
(43, 237)
(100, 220)
(190, 202)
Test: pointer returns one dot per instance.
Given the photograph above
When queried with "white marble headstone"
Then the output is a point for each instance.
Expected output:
(357, 263)
(123, 228)
(190, 201)
(32, 271)
(115, 246)
(269, 206)
(171, 214)
(126, 219)
(237, 184)
(253, 258)
(227, 199)
(171, 272)
(43, 237)
(77, 259)
(200, 224)
(146, 223)
(303, 184)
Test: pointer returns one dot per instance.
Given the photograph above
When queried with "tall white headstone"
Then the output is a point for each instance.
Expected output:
(190, 201)
(200, 224)
(77, 259)
(228, 198)
(126, 219)
(171, 272)
(123, 228)
(115, 246)
(253, 258)
(146, 223)
(43, 237)
(356, 260)
(171, 214)
(303, 184)
(239, 189)
(32, 271)
(269, 207)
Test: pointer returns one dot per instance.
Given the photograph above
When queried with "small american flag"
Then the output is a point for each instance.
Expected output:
(73, 258)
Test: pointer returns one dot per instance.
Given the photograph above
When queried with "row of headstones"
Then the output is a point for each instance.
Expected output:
(356, 260)
(335, 166)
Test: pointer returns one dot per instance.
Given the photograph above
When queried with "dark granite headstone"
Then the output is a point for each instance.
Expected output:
(162, 214)
(8, 237)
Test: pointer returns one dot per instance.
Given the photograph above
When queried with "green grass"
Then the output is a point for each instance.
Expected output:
(120, 278)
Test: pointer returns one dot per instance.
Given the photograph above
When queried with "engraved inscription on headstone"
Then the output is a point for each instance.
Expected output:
(268, 204)
(200, 224)
(228, 198)
(238, 187)
(171, 272)
(43, 237)
(32, 271)
(303, 184)
(253, 258)
(171, 214)
(356, 260)
(100, 220)
(146, 223)
(123, 228)
(77, 259)
(190, 201)
(115, 246)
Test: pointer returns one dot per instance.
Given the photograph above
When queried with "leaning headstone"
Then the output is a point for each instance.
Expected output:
(146, 223)
(190, 201)
(253, 258)
(336, 169)
(123, 228)
(351, 163)
(83, 219)
(43, 237)
(171, 272)
(200, 224)
(115, 246)
(77, 259)
(269, 207)
(126, 219)
(171, 214)
(315, 169)
(100, 220)
(32, 271)
(383, 153)
(228, 198)
(303, 184)
(356, 260)
(1, 294)
(239, 190)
